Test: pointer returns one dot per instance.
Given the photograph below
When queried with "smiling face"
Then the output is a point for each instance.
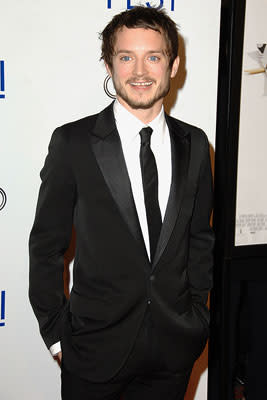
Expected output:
(140, 69)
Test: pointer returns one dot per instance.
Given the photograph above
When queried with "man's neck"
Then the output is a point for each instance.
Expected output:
(144, 115)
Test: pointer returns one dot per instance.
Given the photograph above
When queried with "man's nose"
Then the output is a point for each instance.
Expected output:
(140, 67)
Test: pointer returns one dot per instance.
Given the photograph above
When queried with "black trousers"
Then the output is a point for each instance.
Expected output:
(143, 377)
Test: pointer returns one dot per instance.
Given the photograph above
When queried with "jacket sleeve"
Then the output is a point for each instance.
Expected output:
(201, 234)
(50, 237)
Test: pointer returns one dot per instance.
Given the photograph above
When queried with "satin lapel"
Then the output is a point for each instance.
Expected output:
(180, 151)
(108, 152)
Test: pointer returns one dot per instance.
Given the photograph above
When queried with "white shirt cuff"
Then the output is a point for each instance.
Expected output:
(55, 348)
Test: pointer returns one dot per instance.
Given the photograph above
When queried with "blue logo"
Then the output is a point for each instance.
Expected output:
(2, 308)
(2, 79)
(129, 4)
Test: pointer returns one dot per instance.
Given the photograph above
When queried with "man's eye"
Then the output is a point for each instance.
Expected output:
(153, 58)
(125, 58)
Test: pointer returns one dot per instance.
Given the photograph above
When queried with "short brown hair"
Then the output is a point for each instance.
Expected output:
(140, 17)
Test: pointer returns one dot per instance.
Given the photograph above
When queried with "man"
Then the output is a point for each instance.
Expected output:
(136, 184)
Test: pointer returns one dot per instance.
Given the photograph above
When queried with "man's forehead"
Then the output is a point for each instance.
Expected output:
(124, 34)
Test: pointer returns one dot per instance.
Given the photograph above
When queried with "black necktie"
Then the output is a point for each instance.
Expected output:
(150, 186)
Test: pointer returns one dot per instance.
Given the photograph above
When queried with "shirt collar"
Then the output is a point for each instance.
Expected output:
(129, 126)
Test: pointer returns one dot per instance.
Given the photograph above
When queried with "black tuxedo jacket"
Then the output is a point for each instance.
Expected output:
(85, 183)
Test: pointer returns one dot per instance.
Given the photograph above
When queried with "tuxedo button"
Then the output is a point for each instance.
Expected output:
(152, 277)
(148, 302)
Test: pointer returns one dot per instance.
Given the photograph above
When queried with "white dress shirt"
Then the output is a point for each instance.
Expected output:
(129, 127)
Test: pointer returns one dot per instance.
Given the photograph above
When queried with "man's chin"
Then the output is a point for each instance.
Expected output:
(140, 104)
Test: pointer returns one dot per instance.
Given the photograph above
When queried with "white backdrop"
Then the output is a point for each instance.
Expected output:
(50, 75)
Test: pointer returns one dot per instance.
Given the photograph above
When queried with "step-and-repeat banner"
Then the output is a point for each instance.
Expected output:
(50, 74)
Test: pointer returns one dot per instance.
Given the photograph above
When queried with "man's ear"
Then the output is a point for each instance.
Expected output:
(175, 66)
(108, 69)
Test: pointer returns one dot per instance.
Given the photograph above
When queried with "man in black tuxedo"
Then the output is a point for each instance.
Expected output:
(136, 184)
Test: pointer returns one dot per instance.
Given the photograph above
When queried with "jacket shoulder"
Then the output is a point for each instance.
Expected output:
(87, 125)
(78, 127)
(185, 129)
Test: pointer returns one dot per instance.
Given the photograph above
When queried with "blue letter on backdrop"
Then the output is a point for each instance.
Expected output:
(2, 307)
(2, 79)
(129, 5)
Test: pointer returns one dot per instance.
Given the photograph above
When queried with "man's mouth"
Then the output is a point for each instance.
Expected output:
(140, 84)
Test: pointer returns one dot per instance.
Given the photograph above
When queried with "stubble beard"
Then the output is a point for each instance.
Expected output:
(141, 104)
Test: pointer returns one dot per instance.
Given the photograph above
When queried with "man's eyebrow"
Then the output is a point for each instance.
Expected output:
(162, 51)
(123, 51)
(148, 52)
